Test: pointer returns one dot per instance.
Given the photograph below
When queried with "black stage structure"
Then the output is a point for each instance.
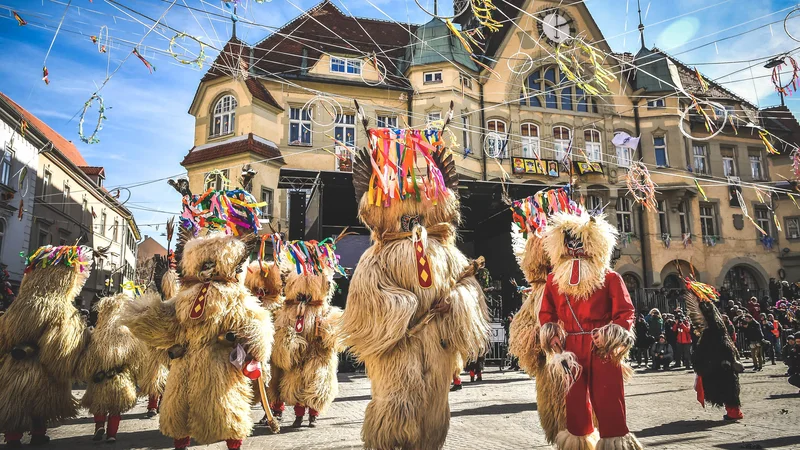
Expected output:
(322, 204)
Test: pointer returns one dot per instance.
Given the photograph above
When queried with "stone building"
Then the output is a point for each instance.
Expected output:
(283, 106)
(68, 205)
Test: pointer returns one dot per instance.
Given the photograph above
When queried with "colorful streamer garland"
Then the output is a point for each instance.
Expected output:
(101, 116)
(231, 211)
(146, 63)
(308, 257)
(531, 213)
(394, 158)
(78, 257)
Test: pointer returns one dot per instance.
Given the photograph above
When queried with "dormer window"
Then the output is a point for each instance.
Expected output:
(224, 117)
(432, 77)
(349, 66)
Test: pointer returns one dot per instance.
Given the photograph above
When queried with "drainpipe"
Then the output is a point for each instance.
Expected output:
(409, 106)
(480, 127)
(642, 237)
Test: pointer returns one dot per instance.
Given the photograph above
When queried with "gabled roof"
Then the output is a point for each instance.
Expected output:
(434, 44)
(780, 120)
(93, 170)
(59, 142)
(234, 146)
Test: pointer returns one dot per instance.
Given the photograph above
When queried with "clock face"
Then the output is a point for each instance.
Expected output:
(555, 26)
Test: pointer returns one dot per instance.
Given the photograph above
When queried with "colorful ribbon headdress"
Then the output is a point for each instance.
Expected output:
(233, 211)
(77, 257)
(308, 257)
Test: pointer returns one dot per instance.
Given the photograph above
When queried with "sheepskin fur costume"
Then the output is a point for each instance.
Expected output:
(154, 367)
(264, 281)
(111, 361)
(524, 335)
(412, 338)
(206, 396)
(307, 359)
(44, 317)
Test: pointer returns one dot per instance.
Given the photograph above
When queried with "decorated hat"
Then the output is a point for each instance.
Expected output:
(531, 213)
(78, 257)
(232, 211)
(308, 257)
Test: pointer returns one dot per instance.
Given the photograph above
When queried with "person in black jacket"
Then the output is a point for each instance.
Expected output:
(793, 361)
(662, 354)
(755, 337)
(643, 341)
(769, 337)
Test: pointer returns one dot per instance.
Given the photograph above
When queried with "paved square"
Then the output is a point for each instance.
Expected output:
(500, 413)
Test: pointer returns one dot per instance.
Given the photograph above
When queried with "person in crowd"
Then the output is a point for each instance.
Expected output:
(777, 330)
(765, 303)
(683, 336)
(655, 324)
(755, 337)
(643, 341)
(790, 343)
(662, 354)
(793, 360)
(753, 307)
(767, 329)
(729, 327)
(669, 333)
(730, 307)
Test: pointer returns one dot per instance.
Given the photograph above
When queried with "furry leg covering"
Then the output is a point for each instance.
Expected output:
(564, 369)
(551, 403)
(567, 441)
(627, 442)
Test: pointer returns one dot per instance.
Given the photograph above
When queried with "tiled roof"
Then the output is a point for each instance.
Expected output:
(780, 121)
(59, 142)
(257, 90)
(321, 29)
(92, 170)
(234, 146)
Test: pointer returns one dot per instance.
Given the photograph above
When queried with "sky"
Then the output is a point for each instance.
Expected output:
(148, 129)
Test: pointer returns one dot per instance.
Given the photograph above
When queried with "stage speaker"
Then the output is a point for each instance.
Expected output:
(297, 215)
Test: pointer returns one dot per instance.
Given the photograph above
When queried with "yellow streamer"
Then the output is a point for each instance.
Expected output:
(700, 189)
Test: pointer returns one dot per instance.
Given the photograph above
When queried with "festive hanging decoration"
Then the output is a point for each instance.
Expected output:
(667, 239)
(101, 40)
(701, 80)
(710, 121)
(791, 85)
(467, 40)
(20, 210)
(23, 127)
(6, 294)
(796, 164)
(308, 257)
(641, 185)
(768, 242)
(45, 75)
(135, 289)
(231, 211)
(700, 190)
(20, 21)
(743, 206)
(77, 257)
(764, 135)
(791, 197)
(482, 9)
(146, 63)
(530, 214)
(582, 64)
(686, 238)
(394, 156)
(201, 56)
(101, 116)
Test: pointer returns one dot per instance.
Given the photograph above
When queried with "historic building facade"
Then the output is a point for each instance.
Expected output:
(286, 103)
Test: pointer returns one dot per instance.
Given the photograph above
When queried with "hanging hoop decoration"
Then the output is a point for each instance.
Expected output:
(526, 66)
(786, 20)
(102, 40)
(591, 75)
(196, 61)
(490, 146)
(467, 4)
(380, 68)
(641, 185)
(101, 116)
(117, 193)
(791, 86)
(329, 104)
(710, 124)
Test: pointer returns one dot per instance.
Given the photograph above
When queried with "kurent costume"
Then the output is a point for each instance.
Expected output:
(42, 336)
(307, 338)
(216, 331)
(530, 217)
(587, 313)
(109, 366)
(415, 310)
(715, 359)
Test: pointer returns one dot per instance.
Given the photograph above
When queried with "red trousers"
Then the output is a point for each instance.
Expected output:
(113, 423)
(152, 401)
(456, 380)
(300, 411)
(599, 387)
(39, 428)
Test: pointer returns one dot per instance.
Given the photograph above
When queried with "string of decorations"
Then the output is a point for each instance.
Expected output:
(530, 213)
(308, 257)
(394, 153)
(791, 85)
(201, 56)
(78, 257)
(151, 68)
(101, 40)
(641, 185)
(710, 123)
(234, 211)
(101, 116)
(745, 212)
(482, 9)
(590, 76)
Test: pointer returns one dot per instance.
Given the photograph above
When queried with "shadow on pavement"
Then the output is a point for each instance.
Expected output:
(354, 398)
(781, 396)
(151, 439)
(656, 392)
(681, 427)
(786, 441)
(507, 408)
(495, 381)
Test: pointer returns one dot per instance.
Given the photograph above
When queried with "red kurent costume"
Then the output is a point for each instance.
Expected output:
(600, 384)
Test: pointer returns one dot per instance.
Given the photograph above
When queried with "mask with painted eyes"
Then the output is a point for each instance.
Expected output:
(574, 245)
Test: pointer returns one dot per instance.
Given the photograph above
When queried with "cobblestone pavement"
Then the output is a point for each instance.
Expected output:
(500, 413)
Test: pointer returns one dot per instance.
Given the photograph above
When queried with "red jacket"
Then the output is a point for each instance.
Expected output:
(609, 304)
(683, 333)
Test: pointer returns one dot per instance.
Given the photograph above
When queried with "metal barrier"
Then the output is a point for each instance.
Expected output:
(666, 300)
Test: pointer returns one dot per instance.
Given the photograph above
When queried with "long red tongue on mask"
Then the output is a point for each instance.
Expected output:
(575, 275)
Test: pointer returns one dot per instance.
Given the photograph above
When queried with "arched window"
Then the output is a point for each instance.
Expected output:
(561, 140)
(530, 140)
(543, 91)
(594, 150)
(224, 118)
(497, 138)
(632, 283)
(594, 203)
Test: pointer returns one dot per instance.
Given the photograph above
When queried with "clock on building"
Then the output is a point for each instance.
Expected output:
(555, 25)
